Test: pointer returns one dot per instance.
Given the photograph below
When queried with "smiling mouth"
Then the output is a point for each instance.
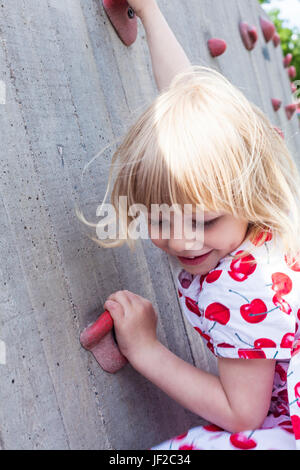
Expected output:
(195, 260)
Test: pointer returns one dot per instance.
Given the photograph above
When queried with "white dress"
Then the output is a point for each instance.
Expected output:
(249, 312)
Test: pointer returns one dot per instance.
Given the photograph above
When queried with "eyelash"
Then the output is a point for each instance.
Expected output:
(206, 224)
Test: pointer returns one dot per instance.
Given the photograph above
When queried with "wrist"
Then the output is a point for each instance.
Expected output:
(141, 356)
(147, 10)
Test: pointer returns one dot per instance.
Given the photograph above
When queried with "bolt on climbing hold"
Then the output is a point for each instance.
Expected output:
(276, 39)
(98, 339)
(216, 46)
(276, 104)
(292, 72)
(290, 110)
(249, 35)
(280, 132)
(123, 19)
(287, 60)
(268, 28)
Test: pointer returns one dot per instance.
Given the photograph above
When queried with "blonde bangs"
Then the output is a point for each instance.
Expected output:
(203, 142)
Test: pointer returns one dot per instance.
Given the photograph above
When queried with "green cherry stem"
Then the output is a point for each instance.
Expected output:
(295, 401)
(243, 341)
(212, 327)
(230, 290)
(262, 313)
(251, 434)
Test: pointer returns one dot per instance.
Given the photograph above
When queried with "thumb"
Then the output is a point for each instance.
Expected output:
(114, 308)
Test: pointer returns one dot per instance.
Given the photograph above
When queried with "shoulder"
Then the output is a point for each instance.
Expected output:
(246, 309)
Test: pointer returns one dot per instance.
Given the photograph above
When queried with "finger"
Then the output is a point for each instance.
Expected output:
(115, 309)
(122, 298)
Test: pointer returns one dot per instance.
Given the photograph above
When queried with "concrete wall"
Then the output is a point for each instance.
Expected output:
(73, 88)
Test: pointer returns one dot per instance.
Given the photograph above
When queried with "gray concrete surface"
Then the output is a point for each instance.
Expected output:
(72, 88)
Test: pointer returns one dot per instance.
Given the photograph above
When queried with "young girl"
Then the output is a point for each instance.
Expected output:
(202, 142)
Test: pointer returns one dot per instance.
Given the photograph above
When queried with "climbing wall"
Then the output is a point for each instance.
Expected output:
(72, 88)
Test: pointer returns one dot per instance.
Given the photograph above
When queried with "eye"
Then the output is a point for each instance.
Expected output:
(206, 224)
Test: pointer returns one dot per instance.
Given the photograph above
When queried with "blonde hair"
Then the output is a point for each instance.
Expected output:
(203, 142)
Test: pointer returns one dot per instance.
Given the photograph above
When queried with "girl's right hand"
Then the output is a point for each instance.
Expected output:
(140, 5)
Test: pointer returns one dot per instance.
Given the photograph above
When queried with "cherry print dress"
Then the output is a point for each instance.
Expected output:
(246, 311)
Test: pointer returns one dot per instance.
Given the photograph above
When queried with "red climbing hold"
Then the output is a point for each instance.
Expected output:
(216, 46)
(276, 39)
(123, 19)
(276, 104)
(293, 87)
(290, 110)
(98, 339)
(249, 35)
(292, 72)
(287, 60)
(268, 28)
(280, 132)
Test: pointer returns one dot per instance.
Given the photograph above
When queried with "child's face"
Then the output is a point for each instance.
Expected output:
(222, 233)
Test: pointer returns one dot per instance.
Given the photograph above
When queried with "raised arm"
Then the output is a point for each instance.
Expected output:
(167, 56)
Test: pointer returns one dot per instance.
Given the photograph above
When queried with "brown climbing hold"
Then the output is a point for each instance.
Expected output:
(216, 46)
(290, 110)
(276, 104)
(292, 72)
(123, 19)
(98, 339)
(268, 28)
(249, 35)
(287, 60)
(280, 132)
(276, 39)
(293, 87)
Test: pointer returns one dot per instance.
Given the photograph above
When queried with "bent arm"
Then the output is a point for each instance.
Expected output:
(167, 56)
(236, 401)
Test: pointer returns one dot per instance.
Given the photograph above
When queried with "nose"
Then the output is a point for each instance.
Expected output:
(180, 246)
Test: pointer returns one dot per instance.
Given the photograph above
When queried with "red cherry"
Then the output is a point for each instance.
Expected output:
(241, 268)
(179, 293)
(205, 336)
(283, 394)
(210, 347)
(225, 345)
(258, 239)
(251, 354)
(297, 393)
(296, 348)
(282, 304)
(254, 312)
(202, 279)
(240, 441)
(296, 425)
(281, 372)
(192, 306)
(287, 340)
(287, 426)
(213, 276)
(293, 263)
(213, 428)
(187, 447)
(181, 436)
(216, 46)
(217, 312)
(282, 284)
(264, 343)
